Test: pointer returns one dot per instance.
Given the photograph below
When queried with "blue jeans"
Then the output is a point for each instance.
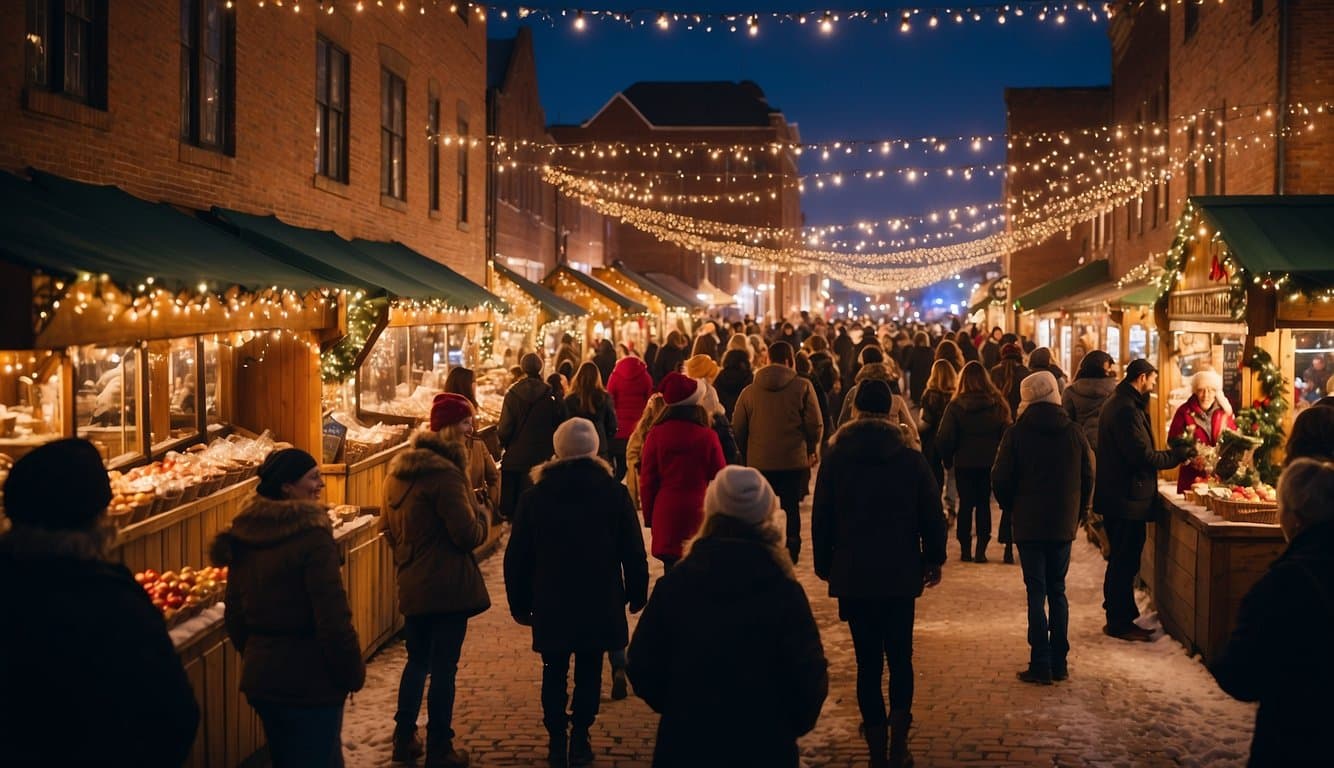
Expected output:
(434, 642)
(302, 737)
(1045, 564)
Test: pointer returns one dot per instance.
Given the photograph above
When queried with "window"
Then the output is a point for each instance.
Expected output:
(433, 147)
(208, 44)
(66, 49)
(393, 136)
(463, 170)
(1192, 8)
(331, 110)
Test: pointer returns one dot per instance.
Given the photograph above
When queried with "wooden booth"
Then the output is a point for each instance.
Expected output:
(536, 322)
(666, 309)
(610, 312)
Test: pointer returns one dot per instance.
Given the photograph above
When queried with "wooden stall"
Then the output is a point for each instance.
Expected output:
(536, 321)
(665, 306)
(608, 309)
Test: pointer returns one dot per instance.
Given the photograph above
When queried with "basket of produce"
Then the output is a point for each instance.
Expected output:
(1246, 511)
(185, 594)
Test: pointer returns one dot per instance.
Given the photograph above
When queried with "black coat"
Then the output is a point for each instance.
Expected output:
(918, 367)
(529, 416)
(970, 431)
(668, 359)
(729, 654)
(1128, 464)
(1083, 401)
(1044, 474)
(934, 403)
(603, 418)
(845, 350)
(722, 427)
(1279, 653)
(735, 376)
(575, 559)
(1011, 392)
(870, 544)
(87, 673)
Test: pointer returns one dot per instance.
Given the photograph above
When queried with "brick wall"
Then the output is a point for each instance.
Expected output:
(1310, 153)
(134, 143)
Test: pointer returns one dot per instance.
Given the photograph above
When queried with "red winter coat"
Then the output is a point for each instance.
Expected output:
(1191, 414)
(630, 387)
(680, 458)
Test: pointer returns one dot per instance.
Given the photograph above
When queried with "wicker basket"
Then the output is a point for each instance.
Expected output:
(356, 451)
(1246, 511)
(121, 519)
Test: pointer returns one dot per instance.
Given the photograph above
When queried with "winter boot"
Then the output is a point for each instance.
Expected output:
(407, 747)
(899, 723)
(557, 747)
(980, 556)
(1009, 553)
(618, 686)
(877, 743)
(581, 751)
(965, 552)
(447, 757)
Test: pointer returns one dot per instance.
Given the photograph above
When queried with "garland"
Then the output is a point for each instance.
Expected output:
(339, 362)
(1264, 418)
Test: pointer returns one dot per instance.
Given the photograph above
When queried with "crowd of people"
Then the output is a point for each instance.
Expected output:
(707, 441)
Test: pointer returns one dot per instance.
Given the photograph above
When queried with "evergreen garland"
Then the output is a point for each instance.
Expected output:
(1264, 418)
(339, 362)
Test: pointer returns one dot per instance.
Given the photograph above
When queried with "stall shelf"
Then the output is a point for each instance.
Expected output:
(608, 309)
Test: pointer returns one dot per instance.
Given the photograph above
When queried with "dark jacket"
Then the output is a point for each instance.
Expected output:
(630, 388)
(990, 353)
(670, 358)
(432, 524)
(722, 427)
(1044, 474)
(1011, 392)
(87, 673)
(575, 558)
(603, 418)
(1128, 464)
(869, 544)
(287, 613)
(845, 350)
(918, 368)
(968, 349)
(970, 431)
(605, 360)
(727, 651)
(735, 376)
(1083, 401)
(934, 402)
(529, 416)
(1279, 653)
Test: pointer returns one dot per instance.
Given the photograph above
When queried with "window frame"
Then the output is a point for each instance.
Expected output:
(393, 138)
(463, 170)
(433, 192)
(194, 55)
(48, 69)
(331, 154)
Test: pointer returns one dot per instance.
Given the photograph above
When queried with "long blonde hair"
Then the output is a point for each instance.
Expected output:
(942, 378)
(653, 409)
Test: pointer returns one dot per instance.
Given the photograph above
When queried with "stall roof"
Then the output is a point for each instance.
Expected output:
(1275, 233)
(669, 297)
(1139, 296)
(602, 289)
(69, 227)
(454, 288)
(1064, 287)
(549, 301)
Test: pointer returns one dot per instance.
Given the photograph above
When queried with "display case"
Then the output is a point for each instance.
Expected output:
(406, 367)
(32, 400)
(108, 400)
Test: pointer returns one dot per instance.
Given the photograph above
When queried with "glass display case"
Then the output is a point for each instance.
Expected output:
(30, 400)
(1113, 347)
(108, 397)
(407, 366)
(174, 384)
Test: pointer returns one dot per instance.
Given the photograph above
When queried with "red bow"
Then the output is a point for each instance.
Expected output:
(1216, 270)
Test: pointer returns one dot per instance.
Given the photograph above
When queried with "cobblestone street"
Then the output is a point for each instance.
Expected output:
(1125, 704)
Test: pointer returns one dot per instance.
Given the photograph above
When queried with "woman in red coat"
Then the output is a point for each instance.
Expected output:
(681, 455)
(630, 387)
(1205, 415)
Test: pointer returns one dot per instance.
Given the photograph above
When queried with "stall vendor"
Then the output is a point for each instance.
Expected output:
(1203, 417)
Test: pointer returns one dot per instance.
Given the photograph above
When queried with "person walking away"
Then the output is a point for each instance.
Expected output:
(878, 551)
(803, 367)
(529, 416)
(1126, 492)
(287, 614)
(1203, 418)
(1094, 383)
(1007, 374)
(844, 350)
(778, 429)
(1312, 435)
(918, 366)
(85, 661)
(630, 386)
(948, 351)
(1044, 475)
(605, 359)
(588, 400)
(876, 366)
(727, 650)
(967, 439)
(681, 455)
(703, 368)
(735, 376)
(939, 390)
(827, 375)
(432, 526)
(634, 447)
(483, 474)
(1278, 653)
(1040, 359)
(567, 352)
(575, 560)
(670, 357)
(991, 348)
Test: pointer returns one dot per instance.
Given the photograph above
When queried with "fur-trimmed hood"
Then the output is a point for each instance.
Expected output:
(427, 454)
(872, 437)
(875, 371)
(31, 542)
(559, 466)
(265, 522)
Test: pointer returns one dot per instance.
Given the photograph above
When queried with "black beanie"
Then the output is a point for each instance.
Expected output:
(873, 396)
(281, 467)
(61, 485)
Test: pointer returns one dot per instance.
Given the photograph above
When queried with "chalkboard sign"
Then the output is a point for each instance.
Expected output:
(334, 436)
(1232, 348)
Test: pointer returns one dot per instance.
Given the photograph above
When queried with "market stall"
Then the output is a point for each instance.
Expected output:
(667, 309)
(537, 319)
(610, 312)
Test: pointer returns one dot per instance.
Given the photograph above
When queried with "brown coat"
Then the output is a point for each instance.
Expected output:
(433, 525)
(777, 420)
(287, 613)
(482, 471)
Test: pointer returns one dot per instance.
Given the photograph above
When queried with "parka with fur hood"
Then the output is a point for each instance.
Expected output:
(433, 526)
(287, 613)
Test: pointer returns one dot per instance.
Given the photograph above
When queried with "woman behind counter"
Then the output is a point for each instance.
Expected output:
(1204, 416)
(287, 613)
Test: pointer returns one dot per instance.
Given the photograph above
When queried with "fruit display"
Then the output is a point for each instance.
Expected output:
(182, 594)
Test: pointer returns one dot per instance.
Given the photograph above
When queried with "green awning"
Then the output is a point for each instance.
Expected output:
(1275, 234)
(1067, 285)
(455, 289)
(1143, 296)
(628, 305)
(645, 283)
(550, 302)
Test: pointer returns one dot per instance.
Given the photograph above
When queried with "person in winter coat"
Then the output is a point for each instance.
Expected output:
(991, 348)
(1094, 383)
(85, 661)
(735, 376)
(877, 551)
(874, 366)
(588, 400)
(575, 560)
(1203, 417)
(778, 429)
(939, 391)
(483, 474)
(529, 416)
(703, 368)
(1312, 435)
(803, 367)
(634, 447)
(727, 650)
(844, 351)
(630, 387)
(287, 613)
(1126, 492)
(432, 526)
(1040, 359)
(681, 455)
(671, 356)
(567, 352)
(967, 439)
(1278, 653)
(966, 347)
(918, 365)
(1007, 374)
(827, 376)
(605, 359)
(948, 351)
(1044, 475)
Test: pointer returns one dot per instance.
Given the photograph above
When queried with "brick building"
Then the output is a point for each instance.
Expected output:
(214, 107)
(723, 114)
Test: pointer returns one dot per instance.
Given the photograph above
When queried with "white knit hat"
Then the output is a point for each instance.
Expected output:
(1038, 387)
(742, 493)
(575, 439)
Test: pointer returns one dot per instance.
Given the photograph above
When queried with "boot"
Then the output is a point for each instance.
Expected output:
(581, 751)
(877, 743)
(981, 555)
(618, 685)
(557, 745)
(899, 757)
(965, 552)
(407, 747)
(447, 757)
(1009, 553)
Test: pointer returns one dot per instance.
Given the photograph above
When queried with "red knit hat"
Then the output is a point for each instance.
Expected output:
(447, 409)
(678, 389)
